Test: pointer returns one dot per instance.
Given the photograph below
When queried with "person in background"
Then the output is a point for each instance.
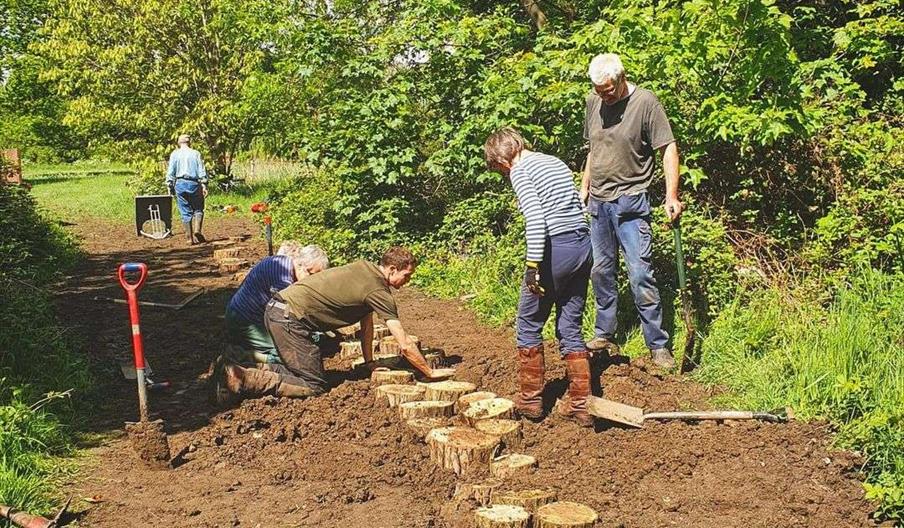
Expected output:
(245, 330)
(557, 269)
(186, 179)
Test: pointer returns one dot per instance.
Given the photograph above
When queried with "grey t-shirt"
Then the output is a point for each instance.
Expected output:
(624, 138)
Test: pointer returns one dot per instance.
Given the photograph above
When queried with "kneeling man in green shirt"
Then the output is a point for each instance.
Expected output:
(325, 301)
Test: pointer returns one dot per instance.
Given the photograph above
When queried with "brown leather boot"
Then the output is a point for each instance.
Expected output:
(578, 366)
(532, 368)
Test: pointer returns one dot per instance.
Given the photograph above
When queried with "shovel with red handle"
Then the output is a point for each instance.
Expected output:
(148, 438)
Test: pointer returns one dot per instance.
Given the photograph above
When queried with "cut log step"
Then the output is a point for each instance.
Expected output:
(480, 492)
(502, 516)
(396, 395)
(443, 373)
(419, 428)
(231, 265)
(384, 376)
(530, 499)
(486, 409)
(381, 331)
(230, 252)
(385, 360)
(570, 514)
(349, 332)
(349, 349)
(389, 345)
(462, 450)
(447, 390)
(508, 465)
(465, 401)
(509, 431)
(424, 409)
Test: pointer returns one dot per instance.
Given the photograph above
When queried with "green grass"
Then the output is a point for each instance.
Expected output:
(78, 191)
(842, 361)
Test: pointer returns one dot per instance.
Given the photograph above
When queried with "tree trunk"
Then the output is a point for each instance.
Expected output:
(395, 395)
(532, 7)
(447, 390)
(461, 449)
(425, 409)
(384, 376)
(465, 401)
(509, 431)
(502, 516)
(486, 409)
(507, 465)
(530, 500)
(570, 514)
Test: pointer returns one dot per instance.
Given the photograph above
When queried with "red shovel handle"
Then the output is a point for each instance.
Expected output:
(132, 267)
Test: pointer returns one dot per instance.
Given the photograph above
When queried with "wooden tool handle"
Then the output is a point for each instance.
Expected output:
(702, 415)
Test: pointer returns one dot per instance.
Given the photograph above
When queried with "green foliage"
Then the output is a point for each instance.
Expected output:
(843, 362)
(37, 363)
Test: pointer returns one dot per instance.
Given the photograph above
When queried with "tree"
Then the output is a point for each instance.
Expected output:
(139, 72)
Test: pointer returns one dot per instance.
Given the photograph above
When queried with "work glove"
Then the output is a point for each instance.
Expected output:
(532, 278)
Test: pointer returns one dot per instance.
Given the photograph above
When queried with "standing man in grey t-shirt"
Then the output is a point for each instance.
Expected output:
(626, 125)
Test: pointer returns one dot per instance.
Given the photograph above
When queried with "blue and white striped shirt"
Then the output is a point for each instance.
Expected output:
(250, 301)
(548, 199)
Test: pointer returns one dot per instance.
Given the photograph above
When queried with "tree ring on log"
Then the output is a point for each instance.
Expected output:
(425, 409)
(395, 395)
(512, 464)
(502, 516)
(486, 409)
(446, 390)
(509, 431)
(570, 514)
(462, 450)
(465, 401)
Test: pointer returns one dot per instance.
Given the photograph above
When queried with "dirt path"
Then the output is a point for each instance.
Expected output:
(335, 461)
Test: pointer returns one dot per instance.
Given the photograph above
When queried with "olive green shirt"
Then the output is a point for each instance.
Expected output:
(624, 138)
(341, 296)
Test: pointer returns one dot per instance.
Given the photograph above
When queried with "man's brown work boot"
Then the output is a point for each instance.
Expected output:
(578, 367)
(604, 344)
(531, 370)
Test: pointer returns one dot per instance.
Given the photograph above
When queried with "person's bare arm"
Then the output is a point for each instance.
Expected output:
(409, 349)
(585, 181)
(671, 168)
(367, 337)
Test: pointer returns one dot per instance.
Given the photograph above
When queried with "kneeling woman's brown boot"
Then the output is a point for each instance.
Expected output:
(531, 370)
(578, 366)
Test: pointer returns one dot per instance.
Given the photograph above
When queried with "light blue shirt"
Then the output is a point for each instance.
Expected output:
(185, 162)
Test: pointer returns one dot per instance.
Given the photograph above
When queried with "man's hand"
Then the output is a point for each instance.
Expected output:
(204, 190)
(585, 195)
(532, 278)
(673, 209)
(171, 187)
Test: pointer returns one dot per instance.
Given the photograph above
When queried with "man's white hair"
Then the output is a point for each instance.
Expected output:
(606, 67)
(304, 257)
(184, 139)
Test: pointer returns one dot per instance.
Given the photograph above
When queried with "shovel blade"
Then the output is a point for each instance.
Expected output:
(615, 412)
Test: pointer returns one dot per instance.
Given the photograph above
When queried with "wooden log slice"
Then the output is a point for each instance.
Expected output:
(419, 428)
(383, 360)
(238, 238)
(509, 431)
(443, 373)
(384, 376)
(480, 492)
(230, 252)
(487, 409)
(349, 349)
(424, 409)
(380, 331)
(389, 345)
(447, 390)
(530, 499)
(507, 465)
(349, 332)
(462, 450)
(396, 395)
(231, 265)
(465, 401)
(570, 514)
(502, 516)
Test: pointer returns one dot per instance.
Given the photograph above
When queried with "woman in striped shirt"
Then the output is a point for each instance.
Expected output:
(557, 270)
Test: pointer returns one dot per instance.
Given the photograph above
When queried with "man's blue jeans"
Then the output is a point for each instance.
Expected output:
(189, 199)
(563, 274)
(625, 223)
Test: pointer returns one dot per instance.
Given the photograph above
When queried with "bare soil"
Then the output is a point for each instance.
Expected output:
(340, 461)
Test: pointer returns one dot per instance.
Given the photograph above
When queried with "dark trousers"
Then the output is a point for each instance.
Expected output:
(302, 361)
(564, 274)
